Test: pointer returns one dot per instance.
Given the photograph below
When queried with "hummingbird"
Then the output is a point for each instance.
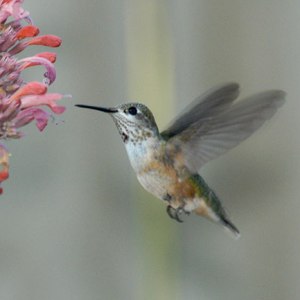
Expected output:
(167, 163)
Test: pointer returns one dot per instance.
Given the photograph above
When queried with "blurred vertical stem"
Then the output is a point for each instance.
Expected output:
(150, 68)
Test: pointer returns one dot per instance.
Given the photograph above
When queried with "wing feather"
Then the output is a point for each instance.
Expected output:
(209, 104)
(208, 136)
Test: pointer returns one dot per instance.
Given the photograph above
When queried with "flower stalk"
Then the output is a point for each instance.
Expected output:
(23, 102)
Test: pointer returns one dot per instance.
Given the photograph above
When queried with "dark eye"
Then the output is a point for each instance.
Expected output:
(132, 110)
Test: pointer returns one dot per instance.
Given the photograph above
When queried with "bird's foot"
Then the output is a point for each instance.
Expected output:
(167, 197)
(176, 213)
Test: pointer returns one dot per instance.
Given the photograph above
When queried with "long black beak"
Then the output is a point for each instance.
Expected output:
(106, 110)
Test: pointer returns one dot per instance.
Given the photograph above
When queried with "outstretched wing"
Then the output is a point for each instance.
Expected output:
(211, 103)
(208, 134)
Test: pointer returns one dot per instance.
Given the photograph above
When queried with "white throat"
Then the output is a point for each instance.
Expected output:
(140, 153)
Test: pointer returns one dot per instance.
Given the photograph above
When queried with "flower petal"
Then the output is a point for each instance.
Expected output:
(45, 99)
(28, 115)
(31, 88)
(48, 40)
(50, 56)
(27, 31)
(50, 74)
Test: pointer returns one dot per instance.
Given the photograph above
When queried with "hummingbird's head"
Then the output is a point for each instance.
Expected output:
(135, 121)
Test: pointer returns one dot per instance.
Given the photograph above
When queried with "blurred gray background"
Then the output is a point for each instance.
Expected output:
(75, 223)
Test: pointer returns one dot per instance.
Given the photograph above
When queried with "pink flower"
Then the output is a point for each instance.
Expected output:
(21, 102)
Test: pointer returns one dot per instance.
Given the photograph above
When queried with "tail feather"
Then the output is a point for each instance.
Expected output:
(218, 216)
(210, 206)
(230, 227)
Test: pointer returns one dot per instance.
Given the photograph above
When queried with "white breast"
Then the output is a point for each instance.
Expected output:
(137, 155)
(140, 156)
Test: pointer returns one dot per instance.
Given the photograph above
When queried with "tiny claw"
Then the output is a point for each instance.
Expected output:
(167, 197)
(174, 213)
(178, 213)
